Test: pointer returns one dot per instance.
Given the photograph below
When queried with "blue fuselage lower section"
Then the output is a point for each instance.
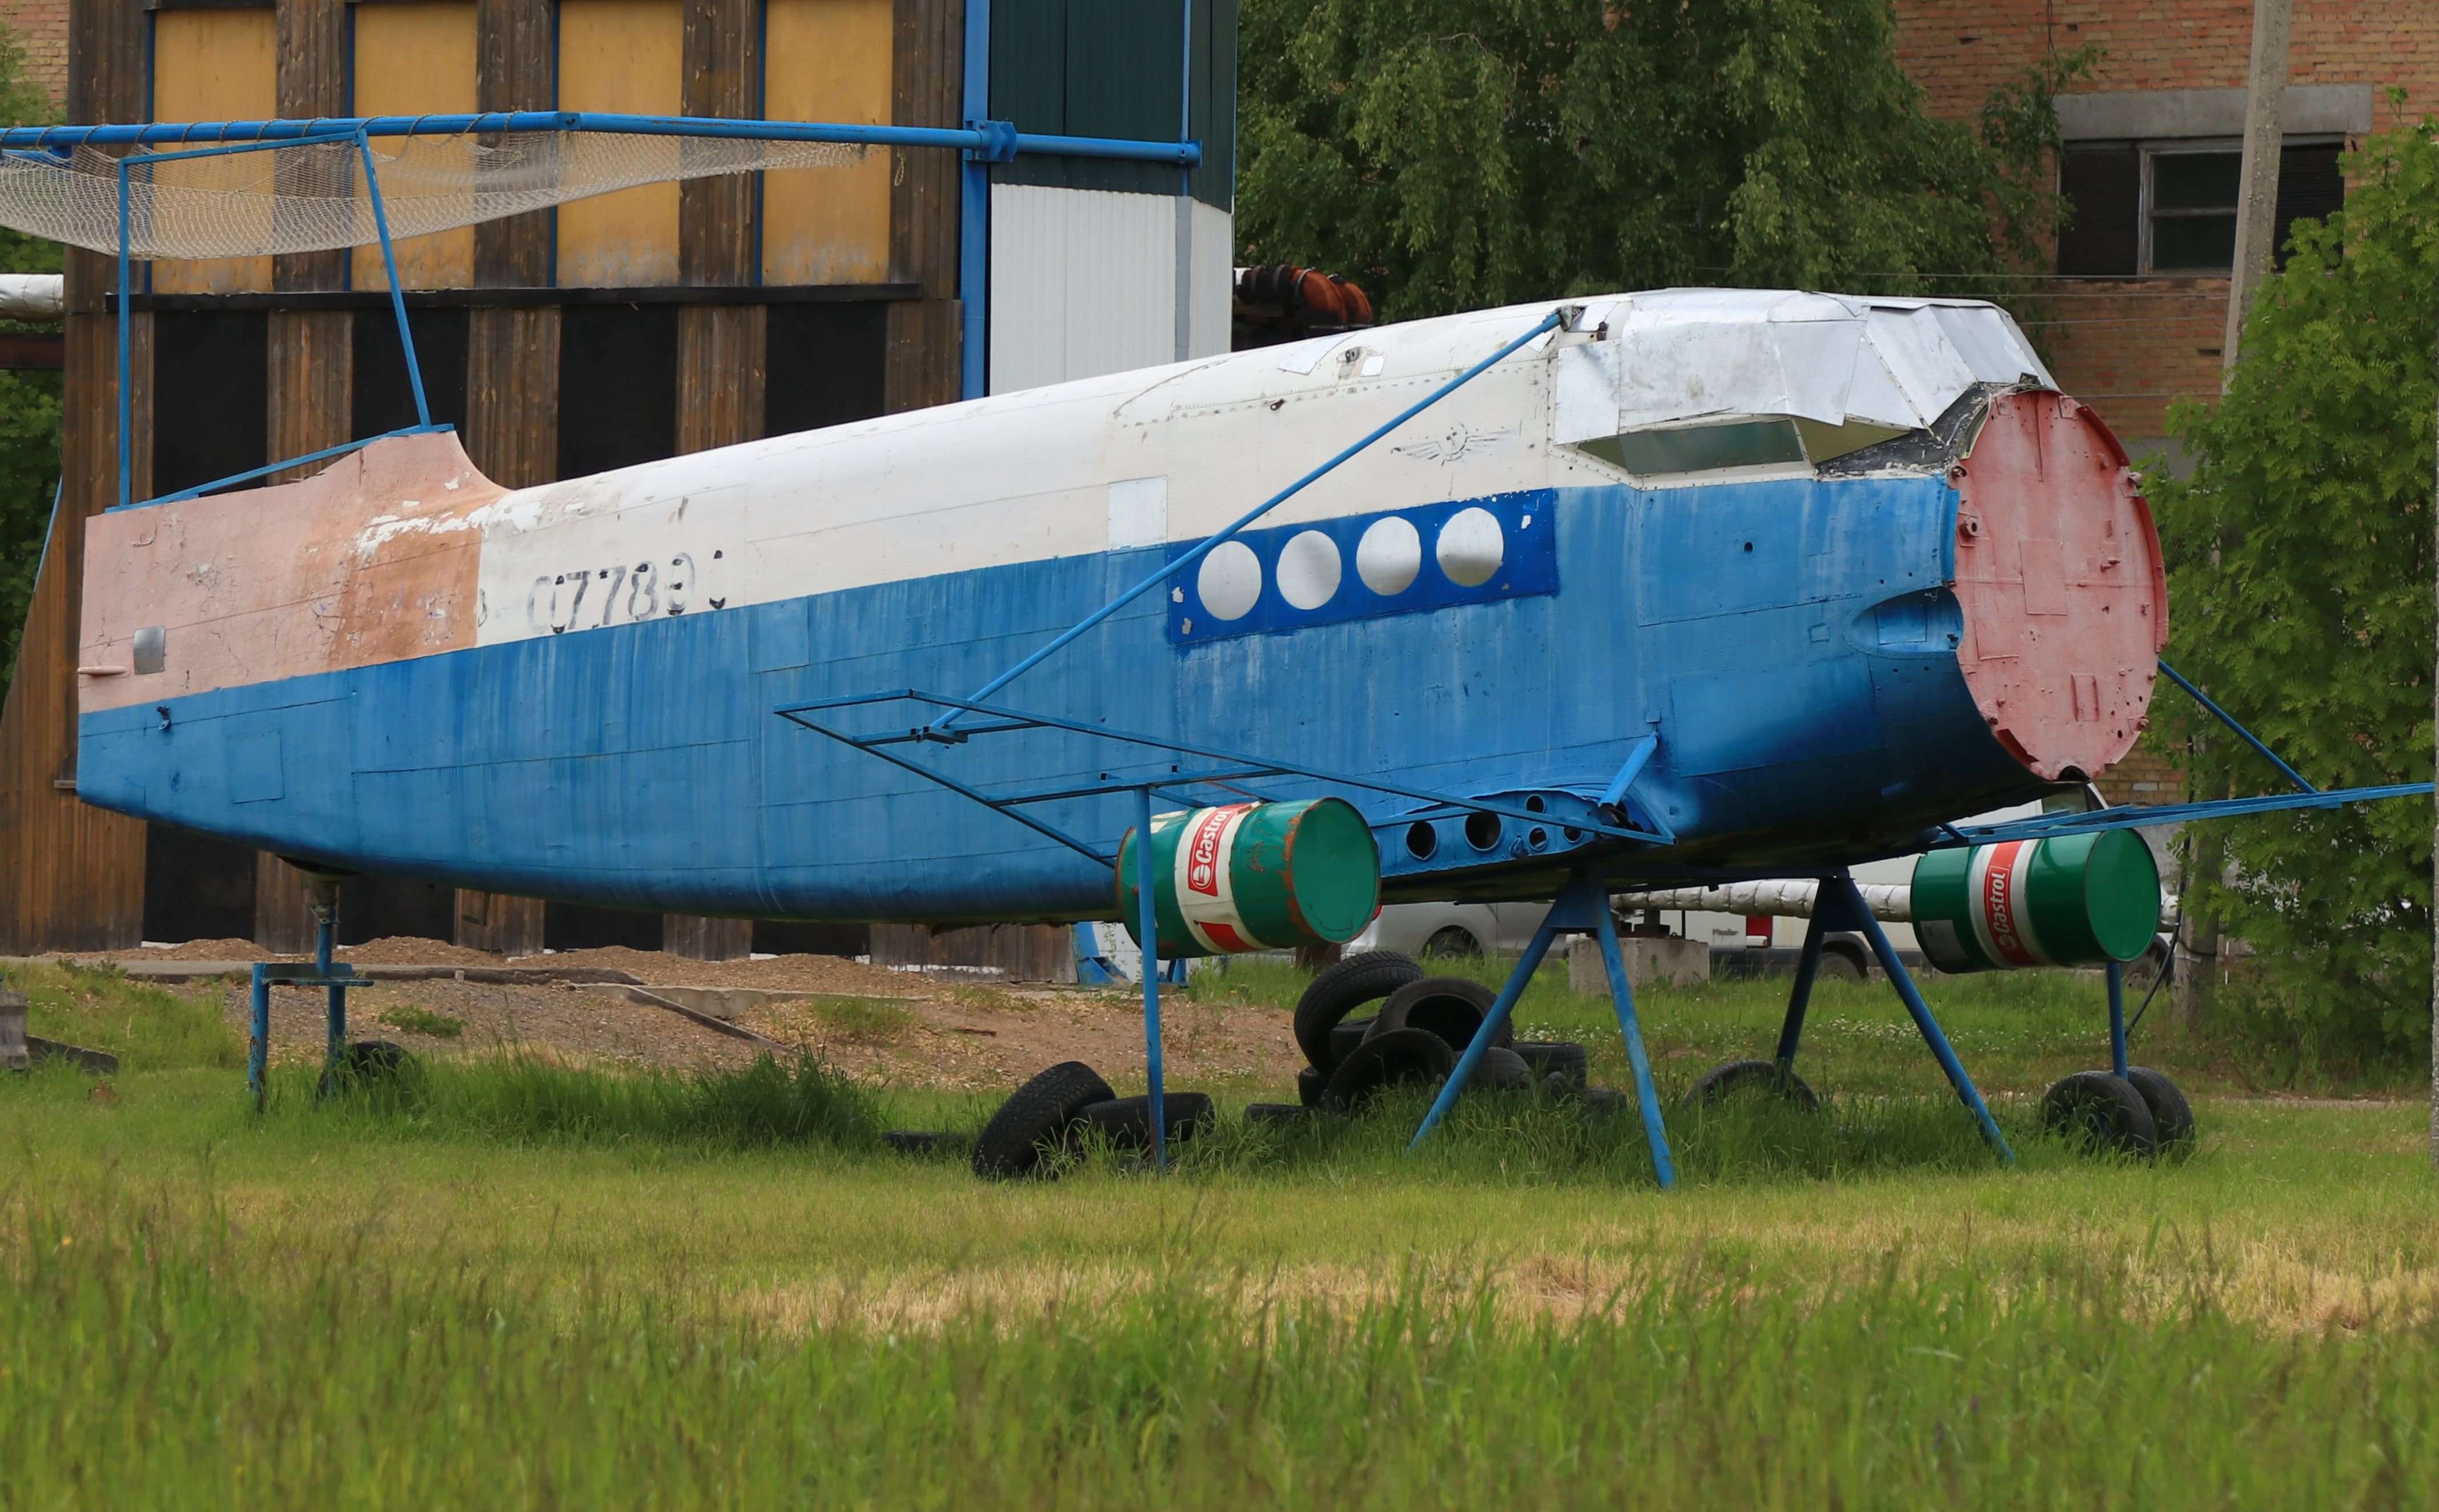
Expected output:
(1793, 642)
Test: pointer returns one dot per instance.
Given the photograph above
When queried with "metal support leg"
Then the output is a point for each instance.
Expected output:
(1800, 998)
(257, 1045)
(1923, 1022)
(1622, 993)
(1454, 1087)
(326, 932)
(2117, 1017)
(1147, 934)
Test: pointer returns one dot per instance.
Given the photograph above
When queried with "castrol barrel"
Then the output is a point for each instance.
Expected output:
(1256, 877)
(2077, 900)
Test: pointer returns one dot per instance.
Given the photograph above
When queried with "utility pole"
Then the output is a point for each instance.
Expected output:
(2256, 203)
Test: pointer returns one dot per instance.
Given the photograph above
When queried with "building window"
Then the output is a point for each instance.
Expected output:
(2169, 207)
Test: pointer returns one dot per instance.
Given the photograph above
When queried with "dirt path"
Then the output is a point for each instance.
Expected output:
(886, 1027)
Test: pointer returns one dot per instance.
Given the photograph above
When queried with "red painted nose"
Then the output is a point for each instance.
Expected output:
(2058, 572)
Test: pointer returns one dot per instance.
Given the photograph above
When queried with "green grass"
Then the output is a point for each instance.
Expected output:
(423, 1020)
(503, 1282)
(146, 1027)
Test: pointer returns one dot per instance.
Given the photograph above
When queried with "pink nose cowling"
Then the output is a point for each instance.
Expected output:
(2059, 577)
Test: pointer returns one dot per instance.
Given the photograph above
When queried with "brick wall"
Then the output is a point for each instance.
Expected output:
(1959, 51)
(41, 28)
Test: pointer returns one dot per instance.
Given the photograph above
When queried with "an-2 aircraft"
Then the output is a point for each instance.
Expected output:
(1632, 591)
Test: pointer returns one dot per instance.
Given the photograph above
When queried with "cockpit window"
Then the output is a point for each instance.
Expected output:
(1702, 448)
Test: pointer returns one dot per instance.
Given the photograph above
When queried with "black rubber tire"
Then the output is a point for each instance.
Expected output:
(1126, 1122)
(1038, 1118)
(912, 1141)
(1721, 1082)
(366, 1062)
(1556, 1086)
(1502, 1070)
(1346, 1035)
(1453, 942)
(1309, 1085)
(1389, 1057)
(1338, 991)
(1279, 1112)
(2102, 1109)
(1448, 1007)
(2172, 1117)
(1838, 965)
(1606, 1101)
(1558, 1057)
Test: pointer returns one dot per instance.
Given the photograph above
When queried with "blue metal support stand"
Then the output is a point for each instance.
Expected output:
(1799, 998)
(1860, 916)
(973, 215)
(335, 976)
(2117, 1017)
(1581, 908)
(1621, 993)
(1148, 936)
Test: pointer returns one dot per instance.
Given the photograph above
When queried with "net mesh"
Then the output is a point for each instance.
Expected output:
(312, 198)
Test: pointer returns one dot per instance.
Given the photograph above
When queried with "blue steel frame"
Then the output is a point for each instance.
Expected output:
(338, 977)
(981, 141)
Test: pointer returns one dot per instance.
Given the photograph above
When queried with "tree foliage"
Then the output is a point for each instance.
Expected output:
(29, 403)
(2301, 597)
(1456, 153)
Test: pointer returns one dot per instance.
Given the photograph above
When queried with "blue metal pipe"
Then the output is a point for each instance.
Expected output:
(2047, 825)
(257, 1045)
(981, 136)
(1148, 937)
(265, 470)
(1923, 1022)
(1209, 545)
(974, 216)
(1799, 998)
(2224, 717)
(2117, 1017)
(397, 296)
(1621, 991)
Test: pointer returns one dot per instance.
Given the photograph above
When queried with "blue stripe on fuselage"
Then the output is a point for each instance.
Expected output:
(1789, 639)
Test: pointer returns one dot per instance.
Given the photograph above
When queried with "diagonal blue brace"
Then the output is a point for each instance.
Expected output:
(1581, 908)
(1838, 906)
(1799, 998)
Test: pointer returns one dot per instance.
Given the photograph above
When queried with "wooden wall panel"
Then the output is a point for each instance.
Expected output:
(830, 61)
(213, 64)
(621, 54)
(416, 58)
(513, 71)
(76, 874)
(312, 80)
(928, 89)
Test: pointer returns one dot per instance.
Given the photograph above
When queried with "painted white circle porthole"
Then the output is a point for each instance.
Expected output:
(1389, 556)
(1471, 547)
(1229, 580)
(1309, 570)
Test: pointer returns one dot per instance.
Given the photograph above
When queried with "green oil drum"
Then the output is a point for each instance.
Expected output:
(2077, 900)
(1256, 877)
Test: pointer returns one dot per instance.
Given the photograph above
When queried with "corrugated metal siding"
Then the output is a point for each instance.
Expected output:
(1084, 282)
(1111, 68)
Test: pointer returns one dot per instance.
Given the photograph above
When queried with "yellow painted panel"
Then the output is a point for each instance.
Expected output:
(621, 54)
(214, 65)
(417, 59)
(827, 61)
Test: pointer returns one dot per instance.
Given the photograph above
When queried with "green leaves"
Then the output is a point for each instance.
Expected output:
(2301, 597)
(1455, 153)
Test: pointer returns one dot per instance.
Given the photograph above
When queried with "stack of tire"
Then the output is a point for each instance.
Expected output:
(1050, 1116)
(1422, 1025)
